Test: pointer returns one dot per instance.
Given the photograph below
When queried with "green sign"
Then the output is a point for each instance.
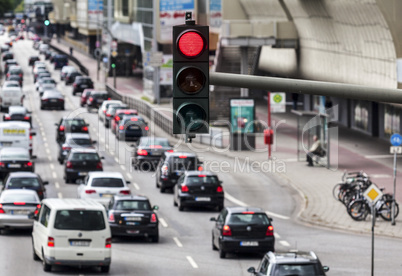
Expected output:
(242, 115)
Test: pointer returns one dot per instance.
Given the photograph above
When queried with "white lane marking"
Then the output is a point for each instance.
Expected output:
(129, 176)
(163, 222)
(44, 139)
(290, 160)
(60, 195)
(107, 146)
(136, 186)
(51, 166)
(378, 156)
(42, 133)
(380, 176)
(50, 158)
(47, 151)
(284, 243)
(241, 203)
(178, 243)
(46, 144)
(112, 153)
(122, 167)
(57, 185)
(94, 129)
(54, 175)
(102, 140)
(116, 159)
(277, 236)
(192, 262)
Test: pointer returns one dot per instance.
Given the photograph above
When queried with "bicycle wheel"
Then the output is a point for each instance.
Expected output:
(358, 209)
(385, 210)
(336, 191)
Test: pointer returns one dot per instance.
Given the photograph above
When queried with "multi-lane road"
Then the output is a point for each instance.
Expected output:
(185, 237)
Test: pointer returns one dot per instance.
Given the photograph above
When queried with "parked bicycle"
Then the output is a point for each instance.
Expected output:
(351, 186)
(359, 209)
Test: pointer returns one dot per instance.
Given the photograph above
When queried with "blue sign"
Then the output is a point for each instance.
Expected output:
(396, 140)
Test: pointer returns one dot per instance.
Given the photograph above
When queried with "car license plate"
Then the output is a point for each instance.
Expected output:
(79, 243)
(132, 218)
(132, 223)
(19, 212)
(202, 199)
(133, 231)
(14, 165)
(106, 195)
(53, 101)
(84, 86)
(82, 173)
(134, 127)
(249, 243)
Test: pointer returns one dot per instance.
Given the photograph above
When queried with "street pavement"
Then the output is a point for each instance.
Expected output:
(356, 151)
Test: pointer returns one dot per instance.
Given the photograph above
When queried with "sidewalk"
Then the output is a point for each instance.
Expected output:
(356, 150)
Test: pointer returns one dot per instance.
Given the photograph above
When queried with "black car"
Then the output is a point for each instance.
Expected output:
(96, 98)
(52, 99)
(26, 180)
(43, 71)
(133, 216)
(81, 83)
(15, 78)
(7, 55)
(14, 159)
(290, 263)
(17, 113)
(149, 151)
(8, 63)
(110, 113)
(15, 70)
(242, 230)
(70, 125)
(74, 140)
(32, 60)
(198, 189)
(79, 162)
(172, 165)
(69, 78)
(59, 60)
(131, 128)
(41, 75)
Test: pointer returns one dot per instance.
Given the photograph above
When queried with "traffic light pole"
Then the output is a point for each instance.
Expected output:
(340, 90)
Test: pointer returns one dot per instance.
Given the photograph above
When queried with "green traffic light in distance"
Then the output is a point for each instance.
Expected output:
(113, 65)
(47, 22)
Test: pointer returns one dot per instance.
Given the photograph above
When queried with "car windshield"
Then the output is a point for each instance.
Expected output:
(183, 163)
(85, 156)
(18, 198)
(74, 122)
(14, 156)
(154, 142)
(20, 183)
(79, 142)
(48, 81)
(132, 205)
(201, 179)
(295, 269)
(107, 182)
(84, 220)
(99, 96)
(249, 218)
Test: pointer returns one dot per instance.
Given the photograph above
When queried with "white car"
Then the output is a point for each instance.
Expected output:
(104, 107)
(16, 205)
(102, 186)
(11, 84)
(66, 69)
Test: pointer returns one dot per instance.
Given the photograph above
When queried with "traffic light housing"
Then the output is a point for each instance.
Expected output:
(47, 22)
(190, 78)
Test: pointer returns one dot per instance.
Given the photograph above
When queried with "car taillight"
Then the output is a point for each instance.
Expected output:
(20, 75)
(111, 217)
(1, 209)
(153, 218)
(104, 111)
(99, 165)
(108, 115)
(7, 117)
(226, 231)
(90, 191)
(29, 164)
(61, 128)
(26, 118)
(248, 212)
(125, 192)
(134, 119)
(142, 152)
(164, 170)
(91, 99)
(147, 128)
(84, 128)
(200, 168)
(219, 189)
(121, 127)
(75, 85)
(19, 203)
(50, 242)
(61, 100)
(109, 99)
(202, 175)
(108, 243)
(2, 164)
(270, 231)
(182, 156)
(37, 209)
(170, 151)
(69, 165)
(66, 148)
(184, 188)
(117, 118)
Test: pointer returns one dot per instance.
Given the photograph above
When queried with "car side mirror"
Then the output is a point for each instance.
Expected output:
(128, 182)
(102, 157)
(56, 124)
(325, 268)
(34, 157)
(33, 216)
(251, 270)
(33, 133)
(94, 142)
(270, 219)
(220, 181)
(212, 219)
(45, 182)
(155, 207)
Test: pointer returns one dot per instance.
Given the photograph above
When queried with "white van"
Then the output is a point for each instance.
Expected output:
(72, 232)
(11, 96)
(16, 134)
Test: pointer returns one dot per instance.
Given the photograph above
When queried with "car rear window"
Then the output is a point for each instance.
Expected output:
(295, 269)
(107, 182)
(81, 156)
(183, 163)
(18, 198)
(132, 205)
(83, 220)
(15, 156)
(154, 142)
(99, 96)
(200, 179)
(20, 183)
(249, 218)
(79, 142)
(74, 122)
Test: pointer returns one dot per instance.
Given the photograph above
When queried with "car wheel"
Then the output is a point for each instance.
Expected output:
(62, 108)
(73, 93)
(213, 245)
(34, 255)
(41, 108)
(156, 183)
(105, 268)
(155, 239)
(163, 189)
(174, 202)
(181, 208)
(222, 254)
(46, 267)
(81, 105)
(220, 207)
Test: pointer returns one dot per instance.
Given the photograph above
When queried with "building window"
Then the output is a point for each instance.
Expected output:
(125, 8)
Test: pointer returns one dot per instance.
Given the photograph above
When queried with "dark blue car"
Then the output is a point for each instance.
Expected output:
(59, 61)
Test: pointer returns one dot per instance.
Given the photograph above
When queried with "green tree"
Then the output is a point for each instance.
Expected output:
(6, 6)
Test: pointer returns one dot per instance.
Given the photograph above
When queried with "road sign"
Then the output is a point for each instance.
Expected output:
(114, 54)
(396, 139)
(278, 102)
(114, 45)
(397, 150)
(372, 194)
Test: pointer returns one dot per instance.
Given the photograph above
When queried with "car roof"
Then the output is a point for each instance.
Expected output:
(14, 150)
(292, 257)
(180, 153)
(130, 197)
(72, 203)
(240, 209)
(192, 173)
(77, 135)
(17, 109)
(15, 124)
(23, 174)
(10, 81)
(83, 150)
(126, 110)
(19, 191)
(106, 174)
(65, 118)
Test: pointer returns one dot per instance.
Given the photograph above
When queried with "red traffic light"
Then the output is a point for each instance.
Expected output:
(191, 44)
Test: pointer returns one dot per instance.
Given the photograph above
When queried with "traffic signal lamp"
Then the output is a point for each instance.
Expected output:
(47, 22)
(190, 78)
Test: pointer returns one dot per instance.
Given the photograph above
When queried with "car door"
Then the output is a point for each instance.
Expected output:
(217, 230)
(177, 187)
(40, 229)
